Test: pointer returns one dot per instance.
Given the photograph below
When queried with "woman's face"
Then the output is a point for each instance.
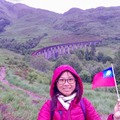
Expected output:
(66, 83)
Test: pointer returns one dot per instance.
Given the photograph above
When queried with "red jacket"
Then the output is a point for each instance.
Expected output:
(75, 111)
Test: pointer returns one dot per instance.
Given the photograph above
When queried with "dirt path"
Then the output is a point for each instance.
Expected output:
(33, 95)
(4, 107)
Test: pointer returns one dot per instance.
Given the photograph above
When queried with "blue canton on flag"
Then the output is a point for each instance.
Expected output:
(108, 72)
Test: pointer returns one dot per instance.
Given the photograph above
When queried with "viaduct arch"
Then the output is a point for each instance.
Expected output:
(56, 50)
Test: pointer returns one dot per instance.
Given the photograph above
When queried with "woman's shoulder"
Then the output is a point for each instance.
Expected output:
(46, 105)
(47, 102)
(91, 111)
(44, 111)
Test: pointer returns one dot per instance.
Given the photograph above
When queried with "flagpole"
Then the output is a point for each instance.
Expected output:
(115, 82)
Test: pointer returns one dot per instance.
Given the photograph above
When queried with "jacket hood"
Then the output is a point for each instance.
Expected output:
(57, 73)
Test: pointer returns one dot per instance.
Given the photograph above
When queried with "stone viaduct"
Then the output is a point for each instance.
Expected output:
(56, 50)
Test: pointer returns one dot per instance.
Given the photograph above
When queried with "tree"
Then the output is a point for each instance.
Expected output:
(72, 60)
(80, 54)
(117, 66)
(40, 63)
(87, 54)
(100, 56)
(93, 50)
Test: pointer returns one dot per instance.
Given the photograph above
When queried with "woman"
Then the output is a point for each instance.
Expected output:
(66, 94)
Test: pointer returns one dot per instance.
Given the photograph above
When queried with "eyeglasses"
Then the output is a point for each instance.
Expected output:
(62, 81)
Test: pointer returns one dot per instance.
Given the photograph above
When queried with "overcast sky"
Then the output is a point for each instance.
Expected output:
(61, 6)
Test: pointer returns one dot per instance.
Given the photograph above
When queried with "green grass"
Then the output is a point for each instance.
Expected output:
(20, 104)
(24, 84)
(6, 55)
(109, 50)
(102, 99)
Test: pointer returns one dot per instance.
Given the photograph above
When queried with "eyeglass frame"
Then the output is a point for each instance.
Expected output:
(66, 80)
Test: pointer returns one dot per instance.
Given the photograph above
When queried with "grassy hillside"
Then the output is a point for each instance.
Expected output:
(6, 55)
(73, 26)
(109, 49)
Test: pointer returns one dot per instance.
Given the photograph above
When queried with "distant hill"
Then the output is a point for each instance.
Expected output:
(21, 24)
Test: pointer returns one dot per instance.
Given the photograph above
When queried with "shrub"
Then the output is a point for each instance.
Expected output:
(40, 63)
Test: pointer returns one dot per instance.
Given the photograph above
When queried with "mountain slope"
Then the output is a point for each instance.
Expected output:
(22, 23)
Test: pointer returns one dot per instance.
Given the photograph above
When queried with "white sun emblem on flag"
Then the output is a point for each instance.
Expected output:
(108, 73)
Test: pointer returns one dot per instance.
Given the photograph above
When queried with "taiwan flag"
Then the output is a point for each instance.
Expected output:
(104, 78)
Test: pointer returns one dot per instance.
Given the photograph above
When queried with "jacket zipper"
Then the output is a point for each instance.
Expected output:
(60, 112)
(69, 115)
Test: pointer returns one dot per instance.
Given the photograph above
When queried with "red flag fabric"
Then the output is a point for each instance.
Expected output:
(104, 78)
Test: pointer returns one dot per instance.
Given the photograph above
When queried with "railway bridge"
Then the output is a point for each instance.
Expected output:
(57, 50)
